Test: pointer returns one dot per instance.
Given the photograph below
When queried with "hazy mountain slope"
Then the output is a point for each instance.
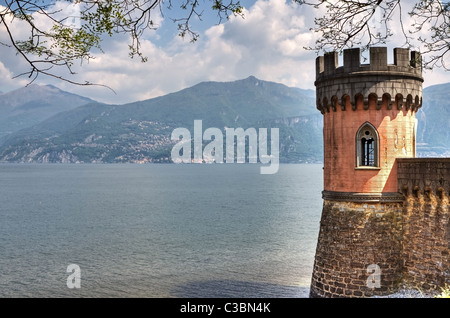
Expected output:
(141, 130)
(433, 128)
(31, 105)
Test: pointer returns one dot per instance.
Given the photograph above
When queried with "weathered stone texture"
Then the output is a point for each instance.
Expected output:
(352, 237)
(425, 183)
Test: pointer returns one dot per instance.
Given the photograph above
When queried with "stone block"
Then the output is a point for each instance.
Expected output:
(331, 62)
(352, 59)
(320, 65)
(378, 58)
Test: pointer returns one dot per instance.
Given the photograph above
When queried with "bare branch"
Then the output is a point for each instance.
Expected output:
(366, 23)
(47, 50)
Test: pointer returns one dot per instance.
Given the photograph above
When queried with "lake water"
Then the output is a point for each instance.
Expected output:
(158, 230)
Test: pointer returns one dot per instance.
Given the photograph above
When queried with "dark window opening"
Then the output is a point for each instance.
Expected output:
(367, 146)
(368, 152)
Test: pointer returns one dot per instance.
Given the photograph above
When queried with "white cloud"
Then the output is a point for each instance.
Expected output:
(268, 43)
(6, 81)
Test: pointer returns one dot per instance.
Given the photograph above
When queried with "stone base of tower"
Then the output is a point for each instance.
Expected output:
(359, 250)
(373, 244)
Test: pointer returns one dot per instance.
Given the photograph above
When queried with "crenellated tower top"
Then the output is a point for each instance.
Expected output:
(377, 83)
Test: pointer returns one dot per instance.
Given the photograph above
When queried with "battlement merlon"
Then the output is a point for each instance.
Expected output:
(406, 63)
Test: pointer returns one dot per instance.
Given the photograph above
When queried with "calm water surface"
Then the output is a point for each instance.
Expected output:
(158, 230)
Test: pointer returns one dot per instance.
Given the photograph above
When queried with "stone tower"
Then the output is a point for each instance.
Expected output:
(369, 121)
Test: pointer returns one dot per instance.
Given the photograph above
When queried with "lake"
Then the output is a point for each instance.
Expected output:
(158, 230)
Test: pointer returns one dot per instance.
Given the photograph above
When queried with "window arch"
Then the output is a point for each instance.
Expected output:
(367, 145)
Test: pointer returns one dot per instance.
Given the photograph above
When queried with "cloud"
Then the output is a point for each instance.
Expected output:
(268, 43)
(271, 41)
(5, 76)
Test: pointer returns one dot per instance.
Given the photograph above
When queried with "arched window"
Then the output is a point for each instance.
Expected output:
(367, 146)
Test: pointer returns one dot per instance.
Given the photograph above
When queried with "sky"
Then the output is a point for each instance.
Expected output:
(268, 44)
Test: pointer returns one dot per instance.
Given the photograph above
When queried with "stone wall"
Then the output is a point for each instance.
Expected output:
(425, 184)
(355, 238)
(408, 241)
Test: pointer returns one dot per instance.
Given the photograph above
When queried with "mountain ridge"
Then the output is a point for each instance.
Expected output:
(30, 105)
(141, 131)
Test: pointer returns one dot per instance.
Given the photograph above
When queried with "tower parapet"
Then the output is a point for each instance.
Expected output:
(377, 84)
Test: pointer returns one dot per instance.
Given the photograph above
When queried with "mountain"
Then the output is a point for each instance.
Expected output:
(31, 105)
(141, 131)
(433, 133)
